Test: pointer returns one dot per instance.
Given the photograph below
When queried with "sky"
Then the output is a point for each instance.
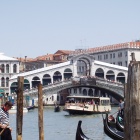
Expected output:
(38, 27)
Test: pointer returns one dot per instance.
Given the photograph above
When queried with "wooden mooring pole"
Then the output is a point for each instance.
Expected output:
(40, 112)
(132, 102)
(19, 119)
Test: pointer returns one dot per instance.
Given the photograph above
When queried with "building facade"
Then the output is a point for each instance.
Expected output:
(117, 54)
(8, 67)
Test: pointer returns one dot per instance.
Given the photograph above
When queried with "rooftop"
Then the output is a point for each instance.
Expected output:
(4, 58)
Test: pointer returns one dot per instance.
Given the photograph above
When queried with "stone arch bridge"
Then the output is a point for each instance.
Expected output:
(109, 77)
(105, 87)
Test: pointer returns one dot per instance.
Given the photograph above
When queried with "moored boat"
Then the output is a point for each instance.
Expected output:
(112, 132)
(30, 107)
(57, 108)
(14, 110)
(87, 105)
(79, 133)
(119, 122)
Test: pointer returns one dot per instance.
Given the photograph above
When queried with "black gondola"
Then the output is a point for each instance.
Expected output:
(119, 123)
(112, 132)
(30, 107)
(57, 108)
(79, 133)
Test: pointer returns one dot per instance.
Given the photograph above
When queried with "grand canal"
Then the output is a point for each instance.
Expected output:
(60, 125)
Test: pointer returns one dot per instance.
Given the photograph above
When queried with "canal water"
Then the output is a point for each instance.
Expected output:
(60, 125)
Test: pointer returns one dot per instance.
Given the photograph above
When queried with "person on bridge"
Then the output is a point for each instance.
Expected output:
(5, 130)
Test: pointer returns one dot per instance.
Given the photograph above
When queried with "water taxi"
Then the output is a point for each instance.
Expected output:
(87, 105)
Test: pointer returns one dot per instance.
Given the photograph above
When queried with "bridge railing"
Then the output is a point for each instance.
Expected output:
(48, 87)
(74, 81)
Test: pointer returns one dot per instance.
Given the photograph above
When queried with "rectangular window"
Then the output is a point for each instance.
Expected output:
(111, 55)
(120, 63)
(120, 54)
(98, 57)
(75, 90)
(125, 53)
(126, 63)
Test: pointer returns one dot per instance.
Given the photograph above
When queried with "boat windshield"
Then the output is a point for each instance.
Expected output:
(103, 101)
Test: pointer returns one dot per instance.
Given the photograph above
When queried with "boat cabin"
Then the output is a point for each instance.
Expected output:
(88, 104)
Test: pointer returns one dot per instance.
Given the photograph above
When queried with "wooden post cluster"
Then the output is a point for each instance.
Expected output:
(132, 102)
(19, 119)
(40, 112)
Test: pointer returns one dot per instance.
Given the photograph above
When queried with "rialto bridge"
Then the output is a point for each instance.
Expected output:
(109, 78)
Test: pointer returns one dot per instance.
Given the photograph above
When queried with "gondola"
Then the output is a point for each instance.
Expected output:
(79, 133)
(30, 107)
(119, 124)
(112, 132)
(56, 108)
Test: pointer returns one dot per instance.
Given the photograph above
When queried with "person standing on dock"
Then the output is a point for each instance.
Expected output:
(5, 130)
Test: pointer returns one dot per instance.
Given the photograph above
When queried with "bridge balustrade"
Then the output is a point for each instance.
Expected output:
(100, 82)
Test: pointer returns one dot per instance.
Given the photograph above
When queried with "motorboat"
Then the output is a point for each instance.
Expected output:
(112, 132)
(79, 133)
(119, 122)
(14, 110)
(87, 105)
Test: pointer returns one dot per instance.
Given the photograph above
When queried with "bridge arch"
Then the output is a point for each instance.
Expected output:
(99, 73)
(110, 75)
(35, 81)
(120, 77)
(46, 79)
(99, 91)
(26, 84)
(67, 73)
(13, 87)
(82, 64)
(57, 76)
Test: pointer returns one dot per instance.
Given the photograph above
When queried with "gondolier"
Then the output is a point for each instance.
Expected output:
(121, 108)
(5, 130)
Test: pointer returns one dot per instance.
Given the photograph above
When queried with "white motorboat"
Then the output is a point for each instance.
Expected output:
(14, 110)
(87, 105)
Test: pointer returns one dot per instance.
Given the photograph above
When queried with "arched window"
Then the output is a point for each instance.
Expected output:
(90, 92)
(2, 68)
(7, 82)
(14, 68)
(85, 92)
(7, 68)
(2, 82)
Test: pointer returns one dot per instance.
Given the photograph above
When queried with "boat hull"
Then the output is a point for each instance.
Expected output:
(79, 133)
(112, 132)
(57, 109)
(119, 126)
(13, 110)
(30, 107)
(83, 112)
